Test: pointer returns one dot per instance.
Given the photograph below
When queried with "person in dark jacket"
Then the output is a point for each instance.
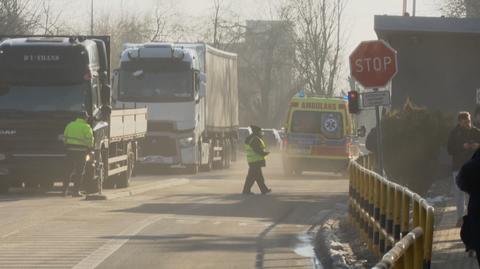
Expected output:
(255, 150)
(464, 139)
(468, 182)
(371, 141)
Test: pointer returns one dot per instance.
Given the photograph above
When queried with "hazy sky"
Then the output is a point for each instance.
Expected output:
(358, 16)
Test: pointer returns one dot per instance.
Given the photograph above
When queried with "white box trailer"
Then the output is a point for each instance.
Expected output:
(222, 90)
(191, 93)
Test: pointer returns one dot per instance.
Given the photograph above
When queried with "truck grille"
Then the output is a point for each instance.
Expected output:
(160, 126)
(160, 146)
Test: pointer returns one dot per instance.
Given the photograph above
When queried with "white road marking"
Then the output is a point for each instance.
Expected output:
(10, 234)
(105, 251)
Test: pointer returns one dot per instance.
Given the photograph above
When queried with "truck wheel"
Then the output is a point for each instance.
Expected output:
(228, 154)
(46, 185)
(210, 164)
(124, 178)
(101, 173)
(192, 169)
(109, 183)
(31, 184)
(234, 151)
(4, 185)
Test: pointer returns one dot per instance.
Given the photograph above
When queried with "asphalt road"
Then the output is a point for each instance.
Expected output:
(172, 221)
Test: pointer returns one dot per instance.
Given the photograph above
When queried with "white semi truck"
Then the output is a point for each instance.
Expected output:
(192, 97)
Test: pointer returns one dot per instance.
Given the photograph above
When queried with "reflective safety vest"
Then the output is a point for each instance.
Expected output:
(78, 133)
(252, 156)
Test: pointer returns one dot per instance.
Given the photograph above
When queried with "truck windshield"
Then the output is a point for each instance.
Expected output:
(150, 86)
(329, 124)
(43, 98)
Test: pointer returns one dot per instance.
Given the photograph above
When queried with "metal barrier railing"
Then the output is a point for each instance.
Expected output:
(394, 221)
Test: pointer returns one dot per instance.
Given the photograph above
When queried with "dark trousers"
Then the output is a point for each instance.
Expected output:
(477, 252)
(75, 168)
(255, 175)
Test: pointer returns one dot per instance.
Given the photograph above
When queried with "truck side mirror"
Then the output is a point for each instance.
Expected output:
(106, 94)
(202, 85)
(104, 77)
(203, 90)
(106, 111)
(4, 89)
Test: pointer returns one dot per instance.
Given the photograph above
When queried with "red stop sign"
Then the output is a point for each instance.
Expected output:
(373, 64)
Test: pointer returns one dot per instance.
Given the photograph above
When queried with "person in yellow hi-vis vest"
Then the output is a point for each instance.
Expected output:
(255, 150)
(78, 140)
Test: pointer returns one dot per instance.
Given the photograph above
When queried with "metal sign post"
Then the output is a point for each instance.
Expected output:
(478, 97)
(373, 64)
(379, 138)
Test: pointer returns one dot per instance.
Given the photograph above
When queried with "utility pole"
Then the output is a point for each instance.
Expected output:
(91, 18)
(414, 8)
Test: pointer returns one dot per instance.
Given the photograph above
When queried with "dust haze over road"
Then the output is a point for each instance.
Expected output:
(202, 223)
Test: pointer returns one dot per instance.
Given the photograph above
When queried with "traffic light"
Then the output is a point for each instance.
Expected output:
(353, 102)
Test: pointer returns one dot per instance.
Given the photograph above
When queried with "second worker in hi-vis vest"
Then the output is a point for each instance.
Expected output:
(255, 150)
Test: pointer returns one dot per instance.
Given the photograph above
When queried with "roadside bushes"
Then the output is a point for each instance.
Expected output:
(412, 140)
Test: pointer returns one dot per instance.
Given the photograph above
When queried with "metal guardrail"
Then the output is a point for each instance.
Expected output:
(394, 221)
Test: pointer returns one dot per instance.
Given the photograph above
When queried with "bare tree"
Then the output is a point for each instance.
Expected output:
(19, 17)
(127, 27)
(226, 26)
(49, 23)
(319, 42)
(461, 8)
(137, 28)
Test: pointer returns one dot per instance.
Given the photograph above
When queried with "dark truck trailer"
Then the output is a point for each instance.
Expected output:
(44, 83)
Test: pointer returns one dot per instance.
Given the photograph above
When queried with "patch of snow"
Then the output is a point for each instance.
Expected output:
(341, 254)
(437, 199)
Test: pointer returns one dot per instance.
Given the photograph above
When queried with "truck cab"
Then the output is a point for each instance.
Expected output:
(167, 79)
(44, 83)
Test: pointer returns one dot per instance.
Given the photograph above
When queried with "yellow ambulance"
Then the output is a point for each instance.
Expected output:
(320, 135)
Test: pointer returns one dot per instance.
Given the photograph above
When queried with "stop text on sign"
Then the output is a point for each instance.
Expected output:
(378, 64)
(373, 64)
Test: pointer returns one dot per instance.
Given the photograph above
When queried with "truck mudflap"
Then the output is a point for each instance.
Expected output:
(4, 171)
(90, 181)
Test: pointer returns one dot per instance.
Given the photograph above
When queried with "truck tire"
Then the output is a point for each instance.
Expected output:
(209, 165)
(4, 185)
(102, 171)
(192, 169)
(46, 184)
(234, 151)
(31, 184)
(123, 180)
(228, 154)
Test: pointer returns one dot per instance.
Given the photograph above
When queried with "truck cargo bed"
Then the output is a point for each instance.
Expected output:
(128, 124)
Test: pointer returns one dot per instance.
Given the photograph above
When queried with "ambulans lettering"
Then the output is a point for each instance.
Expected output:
(320, 106)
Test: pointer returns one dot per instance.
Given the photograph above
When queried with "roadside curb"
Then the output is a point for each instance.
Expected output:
(161, 184)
